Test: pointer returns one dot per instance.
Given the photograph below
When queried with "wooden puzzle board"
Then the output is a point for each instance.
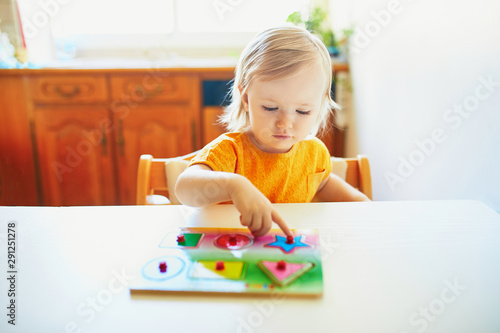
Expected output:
(225, 260)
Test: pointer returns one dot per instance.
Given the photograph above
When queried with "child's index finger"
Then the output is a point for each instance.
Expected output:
(281, 223)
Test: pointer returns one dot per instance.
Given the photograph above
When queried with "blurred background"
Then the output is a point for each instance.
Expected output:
(424, 75)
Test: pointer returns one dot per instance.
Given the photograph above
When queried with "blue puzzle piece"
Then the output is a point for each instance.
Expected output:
(281, 243)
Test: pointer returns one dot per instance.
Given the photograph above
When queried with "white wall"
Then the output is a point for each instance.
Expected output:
(412, 69)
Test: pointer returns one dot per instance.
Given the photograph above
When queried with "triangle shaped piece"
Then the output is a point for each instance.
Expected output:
(283, 272)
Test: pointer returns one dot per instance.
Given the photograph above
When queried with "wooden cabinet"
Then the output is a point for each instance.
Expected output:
(74, 136)
(72, 128)
(63, 89)
(155, 115)
(75, 155)
(89, 138)
(18, 182)
(152, 87)
(211, 128)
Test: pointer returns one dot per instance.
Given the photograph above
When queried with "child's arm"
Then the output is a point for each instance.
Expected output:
(334, 188)
(199, 186)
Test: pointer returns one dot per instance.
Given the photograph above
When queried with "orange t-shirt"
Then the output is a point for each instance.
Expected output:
(293, 176)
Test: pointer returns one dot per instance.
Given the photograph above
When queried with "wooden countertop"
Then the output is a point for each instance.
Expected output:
(223, 67)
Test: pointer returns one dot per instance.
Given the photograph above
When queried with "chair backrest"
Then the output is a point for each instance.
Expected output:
(358, 174)
(156, 177)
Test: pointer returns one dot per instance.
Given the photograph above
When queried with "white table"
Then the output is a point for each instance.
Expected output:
(430, 266)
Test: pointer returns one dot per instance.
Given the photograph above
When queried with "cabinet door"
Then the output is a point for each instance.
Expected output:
(159, 130)
(17, 172)
(333, 139)
(75, 155)
(211, 128)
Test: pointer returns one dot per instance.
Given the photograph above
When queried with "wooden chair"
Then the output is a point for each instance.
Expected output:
(156, 177)
(357, 173)
(154, 187)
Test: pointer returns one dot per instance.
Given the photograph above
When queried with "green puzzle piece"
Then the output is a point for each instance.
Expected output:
(190, 239)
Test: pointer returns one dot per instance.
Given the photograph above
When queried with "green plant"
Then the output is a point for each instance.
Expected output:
(315, 22)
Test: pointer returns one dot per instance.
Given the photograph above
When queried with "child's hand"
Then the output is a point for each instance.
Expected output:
(257, 212)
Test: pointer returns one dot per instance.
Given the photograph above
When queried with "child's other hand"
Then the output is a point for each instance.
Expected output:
(257, 212)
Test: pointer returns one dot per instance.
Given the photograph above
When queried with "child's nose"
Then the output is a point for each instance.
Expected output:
(284, 121)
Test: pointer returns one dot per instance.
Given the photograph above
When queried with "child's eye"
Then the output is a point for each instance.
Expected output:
(304, 113)
(269, 109)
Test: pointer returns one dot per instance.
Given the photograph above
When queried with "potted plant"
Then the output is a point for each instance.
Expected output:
(316, 22)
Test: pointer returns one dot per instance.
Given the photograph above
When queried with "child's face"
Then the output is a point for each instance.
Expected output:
(283, 112)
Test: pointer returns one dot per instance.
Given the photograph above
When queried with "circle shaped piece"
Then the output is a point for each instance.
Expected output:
(233, 241)
(151, 269)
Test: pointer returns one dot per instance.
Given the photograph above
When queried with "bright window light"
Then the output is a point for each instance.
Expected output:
(234, 16)
(97, 17)
(96, 27)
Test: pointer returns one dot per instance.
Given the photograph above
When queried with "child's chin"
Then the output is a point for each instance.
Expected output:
(281, 148)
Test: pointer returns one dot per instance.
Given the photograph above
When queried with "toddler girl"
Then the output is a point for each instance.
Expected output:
(280, 100)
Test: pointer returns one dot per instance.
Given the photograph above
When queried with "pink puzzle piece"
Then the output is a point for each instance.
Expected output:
(280, 273)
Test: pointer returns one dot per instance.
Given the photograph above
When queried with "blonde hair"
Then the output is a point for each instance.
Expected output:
(278, 53)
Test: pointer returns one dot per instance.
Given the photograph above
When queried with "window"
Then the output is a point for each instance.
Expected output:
(133, 28)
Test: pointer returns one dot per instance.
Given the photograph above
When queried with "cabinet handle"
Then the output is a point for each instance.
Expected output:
(150, 94)
(67, 94)
(104, 142)
(120, 140)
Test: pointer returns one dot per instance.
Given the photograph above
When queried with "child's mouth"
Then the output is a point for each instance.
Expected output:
(282, 137)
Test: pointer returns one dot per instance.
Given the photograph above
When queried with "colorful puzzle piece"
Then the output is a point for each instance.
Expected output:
(286, 245)
(182, 240)
(282, 272)
(233, 241)
(232, 260)
(163, 268)
(209, 269)
(190, 239)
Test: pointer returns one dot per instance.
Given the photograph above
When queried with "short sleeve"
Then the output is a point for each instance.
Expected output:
(219, 155)
(324, 158)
